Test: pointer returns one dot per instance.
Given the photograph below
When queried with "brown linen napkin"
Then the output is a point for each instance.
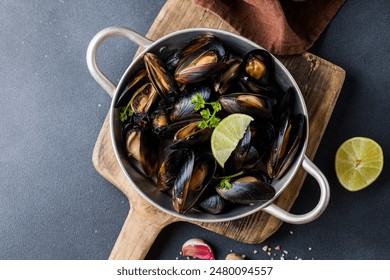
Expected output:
(282, 27)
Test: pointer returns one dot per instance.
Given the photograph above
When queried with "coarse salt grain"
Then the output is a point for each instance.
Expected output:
(255, 252)
(285, 252)
(282, 258)
(291, 232)
(265, 248)
(309, 248)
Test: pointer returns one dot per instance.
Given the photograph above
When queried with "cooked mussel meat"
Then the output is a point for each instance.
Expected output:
(190, 47)
(160, 77)
(255, 105)
(192, 180)
(201, 64)
(190, 135)
(286, 145)
(258, 67)
(171, 167)
(142, 144)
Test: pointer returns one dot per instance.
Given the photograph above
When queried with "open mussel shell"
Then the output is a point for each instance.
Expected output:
(191, 46)
(247, 189)
(202, 63)
(143, 99)
(258, 67)
(171, 167)
(135, 83)
(143, 145)
(286, 145)
(160, 77)
(224, 83)
(288, 136)
(255, 105)
(202, 69)
(192, 179)
(190, 135)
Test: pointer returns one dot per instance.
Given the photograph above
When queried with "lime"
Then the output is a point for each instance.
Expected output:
(227, 134)
(359, 161)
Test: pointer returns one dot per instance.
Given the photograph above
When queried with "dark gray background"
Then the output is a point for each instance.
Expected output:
(54, 205)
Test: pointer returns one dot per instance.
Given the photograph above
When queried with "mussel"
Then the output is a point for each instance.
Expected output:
(247, 189)
(257, 67)
(213, 204)
(287, 139)
(237, 157)
(183, 108)
(190, 47)
(224, 83)
(286, 145)
(161, 78)
(142, 144)
(201, 64)
(171, 167)
(255, 105)
(192, 179)
(191, 134)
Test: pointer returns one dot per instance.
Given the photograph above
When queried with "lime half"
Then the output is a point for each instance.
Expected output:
(358, 163)
(227, 134)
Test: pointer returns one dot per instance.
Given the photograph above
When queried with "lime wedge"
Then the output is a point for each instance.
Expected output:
(226, 136)
(358, 163)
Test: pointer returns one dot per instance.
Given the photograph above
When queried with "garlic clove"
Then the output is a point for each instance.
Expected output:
(196, 247)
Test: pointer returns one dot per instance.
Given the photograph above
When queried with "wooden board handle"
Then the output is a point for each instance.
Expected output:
(141, 228)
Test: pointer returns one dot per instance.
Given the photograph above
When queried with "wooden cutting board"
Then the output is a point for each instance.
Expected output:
(320, 82)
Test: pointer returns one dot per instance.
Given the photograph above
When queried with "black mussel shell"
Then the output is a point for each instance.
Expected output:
(258, 67)
(247, 190)
(213, 204)
(192, 180)
(183, 108)
(160, 77)
(171, 167)
(255, 105)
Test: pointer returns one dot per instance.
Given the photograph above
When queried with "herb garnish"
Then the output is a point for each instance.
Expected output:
(209, 119)
(125, 112)
(225, 180)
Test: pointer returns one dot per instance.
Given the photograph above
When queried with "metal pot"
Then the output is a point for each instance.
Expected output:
(146, 187)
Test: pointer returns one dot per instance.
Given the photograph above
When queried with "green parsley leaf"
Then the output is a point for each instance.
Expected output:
(216, 106)
(225, 184)
(209, 119)
(205, 114)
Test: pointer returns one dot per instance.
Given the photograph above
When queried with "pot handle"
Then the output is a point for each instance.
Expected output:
(94, 45)
(285, 216)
